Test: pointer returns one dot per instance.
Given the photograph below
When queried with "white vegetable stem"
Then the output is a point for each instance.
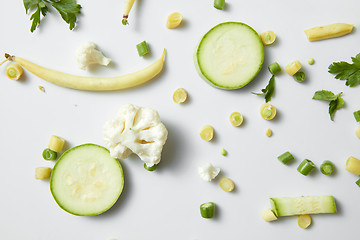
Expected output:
(128, 6)
(92, 83)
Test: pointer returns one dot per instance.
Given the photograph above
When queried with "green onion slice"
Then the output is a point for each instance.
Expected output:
(274, 68)
(286, 157)
(142, 48)
(299, 76)
(327, 167)
(306, 167)
(207, 210)
(219, 4)
(357, 115)
(49, 154)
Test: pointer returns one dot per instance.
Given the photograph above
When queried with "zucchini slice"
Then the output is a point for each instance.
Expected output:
(230, 55)
(288, 206)
(86, 181)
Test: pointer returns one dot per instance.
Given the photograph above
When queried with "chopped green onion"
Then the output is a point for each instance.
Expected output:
(152, 168)
(219, 4)
(207, 210)
(327, 167)
(306, 167)
(142, 48)
(358, 182)
(357, 115)
(49, 154)
(286, 157)
(274, 68)
(299, 76)
(223, 152)
(311, 61)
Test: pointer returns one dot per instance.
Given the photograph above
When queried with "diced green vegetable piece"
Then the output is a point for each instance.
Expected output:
(327, 167)
(306, 167)
(207, 210)
(142, 48)
(286, 157)
(49, 154)
(311, 61)
(288, 206)
(357, 115)
(152, 168)
(223, 152)
(219, 4)
(358, 182)
(274, 68)
(299, 76)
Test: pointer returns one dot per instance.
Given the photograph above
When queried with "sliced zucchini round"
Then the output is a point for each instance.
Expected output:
(86, 181)
(230, 55)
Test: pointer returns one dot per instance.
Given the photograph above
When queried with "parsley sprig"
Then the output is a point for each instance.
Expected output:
(68, 10)
(268, 91)
(347, 71)
(335, 101)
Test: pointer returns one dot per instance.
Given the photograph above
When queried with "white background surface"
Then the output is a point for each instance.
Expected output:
(165, 204)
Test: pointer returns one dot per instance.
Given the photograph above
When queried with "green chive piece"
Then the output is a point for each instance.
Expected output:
(219, 4)
(286, 157)
(358, 182)
(223, 152)
(150, 169)
(306, 167)
(142, 48)
(357, 115)
(327, 167)
(49, 154)
(311, 61)
(274, 68)
(299, 76)
(207, 210)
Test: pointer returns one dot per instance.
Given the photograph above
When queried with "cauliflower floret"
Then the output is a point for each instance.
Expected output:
(135, 130)
(208, 172)
(88, 54)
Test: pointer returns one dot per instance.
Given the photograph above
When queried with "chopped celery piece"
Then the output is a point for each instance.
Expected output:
(327, 167)
(219, 4)
(353, 165)
(56, 143)
(306, 167)
(286, 157)
(142, 48)
(42, 173)
(299, 76)
(293, 67)
(227, 184)
(207, 210)
(268, 37)
(304, 220)
(274, 68)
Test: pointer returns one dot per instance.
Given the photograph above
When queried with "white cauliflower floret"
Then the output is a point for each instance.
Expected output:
(136, 130)
(88, 54)
(208, 172)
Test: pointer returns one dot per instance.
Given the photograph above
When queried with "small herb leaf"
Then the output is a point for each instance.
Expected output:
(268, 91)
(347, 71)
(336, 101)
(324, 95)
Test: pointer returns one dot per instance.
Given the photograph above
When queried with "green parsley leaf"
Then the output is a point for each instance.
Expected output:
(68, 10)
(347, 71)
(268, 91)
(336, 101)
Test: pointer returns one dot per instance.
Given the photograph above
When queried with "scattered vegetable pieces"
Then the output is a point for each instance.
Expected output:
(347, 71)
(304, 220)
(299, 76)
(207, 210)
(14, 71)
(142, 48)
(268, 37)
(236, 119)
(267, 111)
(328, 31)
(327, 167)
(42, 173)
(268, 132)
(335, 101)
(293, 67)
(227, 184)
(274, 68)
(268, 215)
(268, 91)
(207, 133)
(208, 172)
(305, 167)
(180, 95)
(56, 143)
(68, 9)
(49, 154)
(219, 4)
(353, 165)
(174, 20)
(286, 157)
